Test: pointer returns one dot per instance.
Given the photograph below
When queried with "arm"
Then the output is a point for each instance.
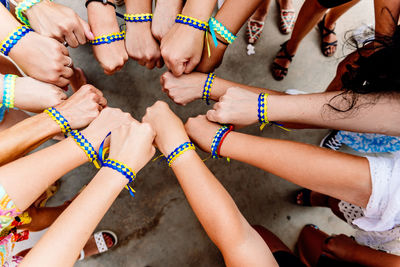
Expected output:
(131, 145)
(305, 165)
(49, 164)
(233, 14)
(38, 56)
(80, 109)
(182, 47)
(103, 21)
(217, 212)
(140, 43)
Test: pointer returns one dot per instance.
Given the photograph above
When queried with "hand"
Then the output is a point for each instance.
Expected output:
(132, 144)
(59, 22)
(181, 48)
(184, 89)
(164, 17)
(102, 20)
(341, 246)
(170, 132)
(108, 120)
(43, 58)
(35, 96)
(141, 45)
(237, 106)
(83, 106)
(209, 64)
(201, 131)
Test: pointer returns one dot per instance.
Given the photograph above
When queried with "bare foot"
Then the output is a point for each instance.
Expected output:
(310, 243)
(78, 79)
(164, 17)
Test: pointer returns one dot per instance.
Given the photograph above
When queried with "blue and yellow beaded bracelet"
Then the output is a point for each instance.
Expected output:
(56, 116)
(179, 151)
(262, 112)
(217, 27)
(217, 140)
(8, 43)
(86, 146)
(138, 17)
(8, 94)
(124, 170)
(108, 38)
(22, 7)
(207, 87)
(193, 22)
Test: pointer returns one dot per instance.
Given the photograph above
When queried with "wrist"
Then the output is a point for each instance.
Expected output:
(37, 7)
(51, 125)
(102, 19)
(201, 12)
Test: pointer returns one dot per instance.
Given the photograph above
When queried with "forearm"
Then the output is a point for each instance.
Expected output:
(8, 23)
(342, 176)
(367, 256)
(25, 136)
(102, 18)
(199, 9)
(210, 201)
(138, 6)
(234, 13)
(62, 243)
(313, 109)
(35, 172)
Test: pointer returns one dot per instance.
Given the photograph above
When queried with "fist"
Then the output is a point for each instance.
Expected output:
(201, 131)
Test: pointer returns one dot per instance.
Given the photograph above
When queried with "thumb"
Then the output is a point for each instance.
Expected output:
(212, 115)
(86, 28)
(191, 65)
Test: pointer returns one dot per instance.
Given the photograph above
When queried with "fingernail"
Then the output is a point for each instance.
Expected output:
(91, 35)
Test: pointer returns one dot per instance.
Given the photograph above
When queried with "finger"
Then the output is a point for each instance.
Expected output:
(67, 61)
(160, 63)
(141, 62)
(80, 35)
(191, 65)
(177, 69)
(64, 50)
(150, 65)
(103, 102)
(162, 81)
(211, 115)
(71, 39)
(67, 72)
(86, 29)
(62, 82)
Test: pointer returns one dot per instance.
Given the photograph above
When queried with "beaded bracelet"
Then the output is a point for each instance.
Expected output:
(22, 7)
(12, 39)
(179, 151)
(8, 94)
(123, 169)
(193, 22)
(207, 87)
(216, 26)
(138, 17)
(86, 146)
(262, 112)
(216, 141)
(108, 38)
(56, 116)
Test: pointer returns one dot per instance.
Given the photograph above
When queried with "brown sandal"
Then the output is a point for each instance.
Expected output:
(326, 45)
(276, 66)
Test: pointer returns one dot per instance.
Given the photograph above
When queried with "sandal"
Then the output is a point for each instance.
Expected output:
(305, 197)
(326, 45)
(276, 66)
(254, 30)
(101, 243)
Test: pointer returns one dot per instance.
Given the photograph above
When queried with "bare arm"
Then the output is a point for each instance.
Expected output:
(239, 243)
(336, 174)
(131, 144)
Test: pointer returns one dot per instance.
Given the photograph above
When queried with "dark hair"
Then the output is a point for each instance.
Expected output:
(377, 73)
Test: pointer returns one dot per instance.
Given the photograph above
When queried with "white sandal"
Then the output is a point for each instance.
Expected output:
(101, 243)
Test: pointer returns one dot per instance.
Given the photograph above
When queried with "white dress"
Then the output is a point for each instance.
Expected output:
(378, 225)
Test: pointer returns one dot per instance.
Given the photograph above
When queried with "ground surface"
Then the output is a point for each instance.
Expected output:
(158, 228)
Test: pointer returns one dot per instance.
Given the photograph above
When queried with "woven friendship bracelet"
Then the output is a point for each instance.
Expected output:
(138, 17)
(56, 116)
(262, 110)
(195, 23)
(22, 7)
(7, 44)
(87, 147)
(123, 169)
(8, 94)
(217, 27)
(108, 38)
(179, 151)
(217, 140)
(207, 87)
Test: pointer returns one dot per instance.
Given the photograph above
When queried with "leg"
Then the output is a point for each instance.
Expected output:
(262, 10)
(310, 13)
(43, 217)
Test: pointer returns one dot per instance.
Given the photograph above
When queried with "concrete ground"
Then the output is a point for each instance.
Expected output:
(158, 227)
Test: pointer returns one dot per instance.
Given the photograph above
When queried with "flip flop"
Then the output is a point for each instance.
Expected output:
(276, 66)
(101, 243)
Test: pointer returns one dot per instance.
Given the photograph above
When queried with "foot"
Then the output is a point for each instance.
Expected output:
(287, 16)
(91, 248)
(50, 191)
(78, 79)
(307, 197)
(310, 244)
(329, 39)
(273, 242)
(330, 141)
(164, 17)
(282, 62)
